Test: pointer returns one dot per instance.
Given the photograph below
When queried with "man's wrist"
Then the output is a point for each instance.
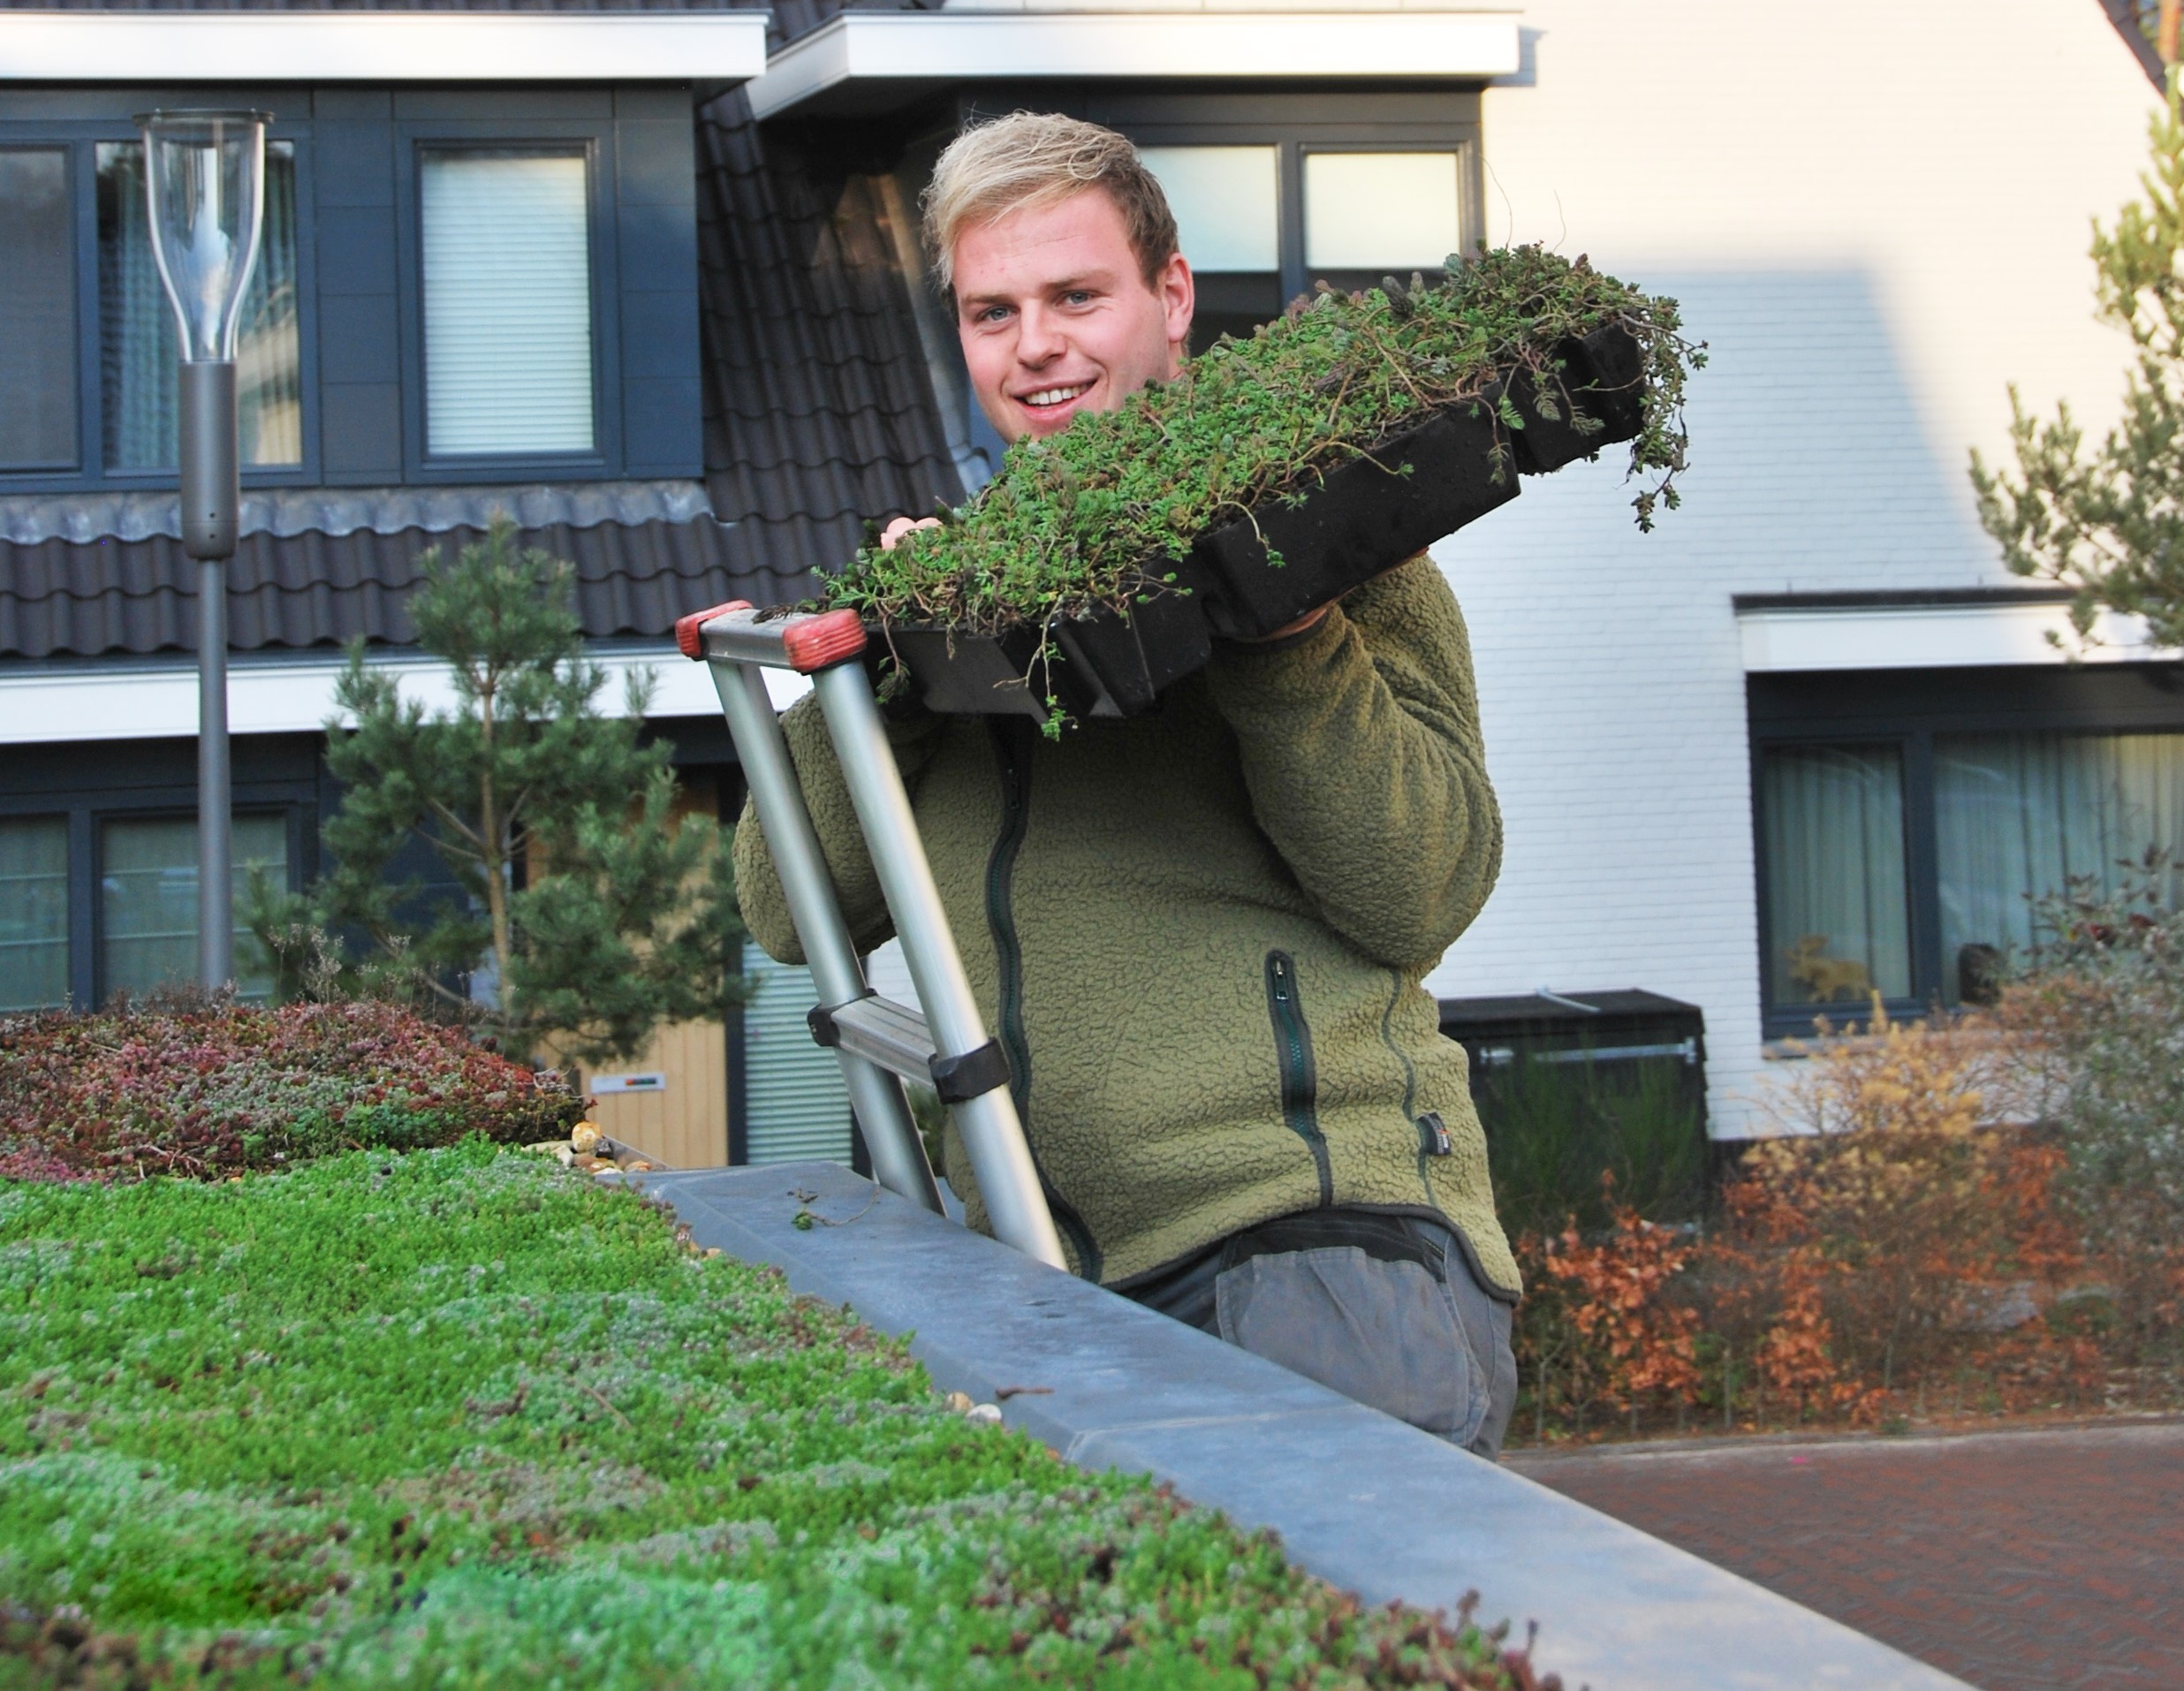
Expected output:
(1304, 625)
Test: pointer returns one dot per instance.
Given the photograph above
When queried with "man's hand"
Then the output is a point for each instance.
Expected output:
(901, 525)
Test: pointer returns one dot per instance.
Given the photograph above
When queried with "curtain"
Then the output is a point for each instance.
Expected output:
(34, 913)
(507, 262)
(2019, 816)
(137, 354)
(1833, 827)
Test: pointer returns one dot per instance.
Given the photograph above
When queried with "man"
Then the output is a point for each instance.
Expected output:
(1200, 933)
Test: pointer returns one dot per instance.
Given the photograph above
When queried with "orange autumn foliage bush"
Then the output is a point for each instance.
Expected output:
(1889, 1237)
(1598, 1318)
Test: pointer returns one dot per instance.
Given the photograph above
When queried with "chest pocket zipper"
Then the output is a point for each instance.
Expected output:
(1292, 1050)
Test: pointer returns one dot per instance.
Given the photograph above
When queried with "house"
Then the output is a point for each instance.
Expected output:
(646, 278)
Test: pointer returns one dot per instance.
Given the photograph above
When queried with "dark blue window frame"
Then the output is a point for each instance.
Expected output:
(300, 802)
(80, 139)
(595, 138)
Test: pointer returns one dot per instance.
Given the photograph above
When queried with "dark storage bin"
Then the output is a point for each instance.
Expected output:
(1573, 1084)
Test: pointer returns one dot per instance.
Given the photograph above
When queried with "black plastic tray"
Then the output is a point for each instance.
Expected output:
(1103, 664)
(1604, 376)
(1365, 518)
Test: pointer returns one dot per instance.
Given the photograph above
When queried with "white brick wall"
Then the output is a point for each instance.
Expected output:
(1876, 216)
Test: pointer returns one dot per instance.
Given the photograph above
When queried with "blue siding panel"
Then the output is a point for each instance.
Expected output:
(659, 334)
(360, 432)
(354, 164)
(356, 250)
(658, 162)
(358, 340)
(662, 427)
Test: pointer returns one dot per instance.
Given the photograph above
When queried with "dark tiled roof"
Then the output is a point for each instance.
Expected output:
(818, 412)
(139, 596)
(818, 416)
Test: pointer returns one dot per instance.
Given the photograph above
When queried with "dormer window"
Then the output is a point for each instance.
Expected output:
(506, 250)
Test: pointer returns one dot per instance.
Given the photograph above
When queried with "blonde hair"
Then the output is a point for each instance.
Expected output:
(1033, 159)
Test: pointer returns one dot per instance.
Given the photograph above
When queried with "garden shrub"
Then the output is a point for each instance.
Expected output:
(1552, 1128)
(462, 1417)
(1090, 516)
(1896, 1243)
(2100, 1016)
(210, 1087)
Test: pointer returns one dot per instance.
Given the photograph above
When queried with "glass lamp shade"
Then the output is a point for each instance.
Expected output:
(205, 178)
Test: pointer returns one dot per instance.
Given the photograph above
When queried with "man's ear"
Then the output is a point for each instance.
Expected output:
(1178, 299)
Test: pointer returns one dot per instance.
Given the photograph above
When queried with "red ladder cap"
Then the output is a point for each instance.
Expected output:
(819, 642)
(688, 638)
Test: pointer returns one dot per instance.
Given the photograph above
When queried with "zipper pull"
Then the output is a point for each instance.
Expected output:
(1281, 978)
(1434, 1131)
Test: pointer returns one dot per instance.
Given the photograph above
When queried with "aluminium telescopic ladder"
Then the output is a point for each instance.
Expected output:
(877, 1042)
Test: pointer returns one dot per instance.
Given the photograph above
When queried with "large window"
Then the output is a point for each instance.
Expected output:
(505, 238)
(33, 913)
(148, 901)
(138, 352)
(1904, 847)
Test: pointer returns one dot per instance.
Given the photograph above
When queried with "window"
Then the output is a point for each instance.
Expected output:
(1908, 823)
(1834, 846)
(148, 901)
(2020, 815)
(33, 913)
(137, 347)
(1227, 204)
(37, 310)
(1385, 211)
(506, 246)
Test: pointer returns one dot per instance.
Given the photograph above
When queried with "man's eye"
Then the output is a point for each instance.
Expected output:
(1079, 296)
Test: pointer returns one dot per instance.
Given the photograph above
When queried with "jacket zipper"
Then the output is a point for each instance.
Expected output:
(1013, 754)
(1292, 1049)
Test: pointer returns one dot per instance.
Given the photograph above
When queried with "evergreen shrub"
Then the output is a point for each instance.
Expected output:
(212, 1088)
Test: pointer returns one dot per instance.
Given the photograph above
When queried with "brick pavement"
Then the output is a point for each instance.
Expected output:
(2039, 1560)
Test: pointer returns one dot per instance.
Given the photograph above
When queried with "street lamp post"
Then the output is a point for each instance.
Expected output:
(205, 178)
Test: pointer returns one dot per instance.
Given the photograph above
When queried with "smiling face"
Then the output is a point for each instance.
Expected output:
(1057, 318)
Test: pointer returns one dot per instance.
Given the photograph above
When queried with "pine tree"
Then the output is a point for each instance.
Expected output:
(582, 914)
(2109, 521)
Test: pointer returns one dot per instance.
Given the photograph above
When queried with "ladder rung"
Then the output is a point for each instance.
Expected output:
(884, 1032)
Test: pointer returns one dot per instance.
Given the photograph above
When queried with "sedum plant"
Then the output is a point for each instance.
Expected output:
(1091, 516)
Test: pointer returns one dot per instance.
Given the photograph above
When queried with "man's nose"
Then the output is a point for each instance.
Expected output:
(1039, 337)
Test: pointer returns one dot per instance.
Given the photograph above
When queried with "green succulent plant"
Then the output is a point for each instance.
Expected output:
(1094, 516)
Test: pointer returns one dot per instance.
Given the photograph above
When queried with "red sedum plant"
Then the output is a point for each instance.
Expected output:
(206, 1092)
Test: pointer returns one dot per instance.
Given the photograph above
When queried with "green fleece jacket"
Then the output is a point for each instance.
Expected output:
(1199, 934)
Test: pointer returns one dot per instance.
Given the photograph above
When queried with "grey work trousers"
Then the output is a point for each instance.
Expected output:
(1387, 1309)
